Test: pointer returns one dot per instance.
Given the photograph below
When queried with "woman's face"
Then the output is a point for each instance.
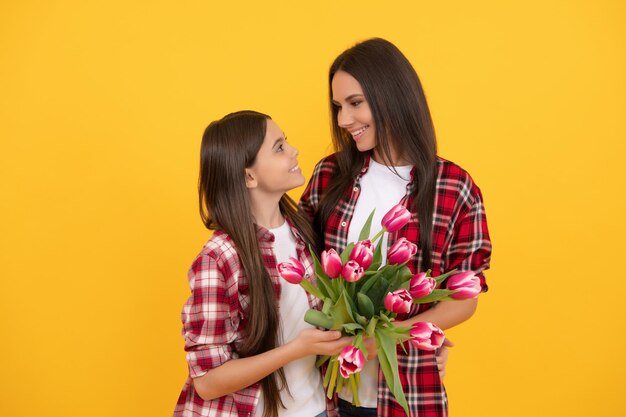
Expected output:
(353, 111)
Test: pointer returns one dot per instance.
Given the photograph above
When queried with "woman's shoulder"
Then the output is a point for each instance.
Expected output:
(452, 177)
(326, 164)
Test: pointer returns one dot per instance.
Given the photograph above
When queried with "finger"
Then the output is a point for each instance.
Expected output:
(448, 343)
(330, 335)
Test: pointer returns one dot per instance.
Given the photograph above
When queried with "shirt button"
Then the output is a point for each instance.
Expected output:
(343, 224)
(355, 189)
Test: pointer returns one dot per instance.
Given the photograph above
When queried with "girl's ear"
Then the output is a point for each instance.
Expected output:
(251, 181)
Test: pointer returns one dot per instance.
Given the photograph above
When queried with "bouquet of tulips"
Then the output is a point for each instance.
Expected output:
(361, 299)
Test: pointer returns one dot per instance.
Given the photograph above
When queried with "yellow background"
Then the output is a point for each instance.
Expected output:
(102, 107)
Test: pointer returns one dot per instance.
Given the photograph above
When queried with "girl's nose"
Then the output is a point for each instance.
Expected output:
(294, 151)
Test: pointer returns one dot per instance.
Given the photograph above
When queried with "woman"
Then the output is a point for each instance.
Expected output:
(385, 147)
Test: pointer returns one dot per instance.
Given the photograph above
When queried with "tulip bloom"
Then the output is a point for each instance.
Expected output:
(352, 271)
(363, 253)
(466, 284)
(351, 361)
(401, 251)
(399, 301)
(422, 285)
(292, 271)
(396, 218)
(426, 336)
(331, 263)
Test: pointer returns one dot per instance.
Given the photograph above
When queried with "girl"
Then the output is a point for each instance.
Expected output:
(249, 351)
(386, 153)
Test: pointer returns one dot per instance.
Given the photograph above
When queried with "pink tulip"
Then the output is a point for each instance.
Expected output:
(426, 336)
(422, 285)
(351, 361)
(466, 284)
(352, 271)
(292, 271)
(396, 218)
(399, 301)
(401, 251)
(331, 263)
(363, 253)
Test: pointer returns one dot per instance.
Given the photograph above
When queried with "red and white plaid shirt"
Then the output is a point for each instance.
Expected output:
(214, 319)
(460, 240)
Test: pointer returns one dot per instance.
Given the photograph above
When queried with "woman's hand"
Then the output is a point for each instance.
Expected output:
(369, 343)
(442, 357)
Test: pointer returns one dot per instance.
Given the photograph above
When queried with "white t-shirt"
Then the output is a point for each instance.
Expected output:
(381, 188)
(303, 378)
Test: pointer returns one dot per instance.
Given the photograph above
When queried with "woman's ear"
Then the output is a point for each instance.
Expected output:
(251, 181)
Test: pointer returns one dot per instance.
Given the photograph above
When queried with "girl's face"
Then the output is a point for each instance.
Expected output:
(353, 111)
(275, 169)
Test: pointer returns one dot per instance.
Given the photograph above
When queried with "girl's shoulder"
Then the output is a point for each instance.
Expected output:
(219, 250)
(454, 178)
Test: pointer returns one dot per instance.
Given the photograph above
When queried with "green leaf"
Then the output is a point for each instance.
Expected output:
(366, 307)
(442, 277)
(341, 312)
(371, 326)
(322, 280)
(345, 255)
(388, 359)
(365, 231)
(314, 291)
(436, 295)
(378, 292)
(327, 305)
(361, 320)
(365, 283)
(377, 260)
(319, 319)
(351, 328)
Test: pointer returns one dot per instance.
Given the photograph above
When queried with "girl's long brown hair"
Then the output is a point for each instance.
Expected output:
(402, 118)
(229, 146)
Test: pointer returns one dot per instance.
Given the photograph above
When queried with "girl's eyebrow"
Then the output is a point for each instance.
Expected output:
(350, 97)
(277, 141)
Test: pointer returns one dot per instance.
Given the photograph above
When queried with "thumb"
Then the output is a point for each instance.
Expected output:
(448, 343)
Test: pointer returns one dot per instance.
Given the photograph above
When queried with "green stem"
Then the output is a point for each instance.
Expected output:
(333, 379)
(355, 391)
(378, 235)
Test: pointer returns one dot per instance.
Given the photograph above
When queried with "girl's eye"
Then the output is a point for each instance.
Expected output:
(280, 148)
(356, 103)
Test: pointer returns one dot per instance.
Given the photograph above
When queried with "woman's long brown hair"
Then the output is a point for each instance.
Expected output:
(402, 118)
(229, 146)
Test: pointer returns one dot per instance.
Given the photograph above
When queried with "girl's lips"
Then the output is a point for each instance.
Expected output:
(295, 169)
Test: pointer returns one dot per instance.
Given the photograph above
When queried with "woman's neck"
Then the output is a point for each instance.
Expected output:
(396, 161)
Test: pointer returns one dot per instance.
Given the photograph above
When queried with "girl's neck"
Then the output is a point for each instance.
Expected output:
(266, 211)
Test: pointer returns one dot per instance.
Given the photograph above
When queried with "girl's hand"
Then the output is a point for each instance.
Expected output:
(442, 357)
(319, 342)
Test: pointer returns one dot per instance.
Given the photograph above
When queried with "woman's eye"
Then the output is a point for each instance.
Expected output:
(356, 103)
(280, 148)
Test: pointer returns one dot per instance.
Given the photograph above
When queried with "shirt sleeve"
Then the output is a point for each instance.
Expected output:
(319, 181)
(207, 327)
(470, 245)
